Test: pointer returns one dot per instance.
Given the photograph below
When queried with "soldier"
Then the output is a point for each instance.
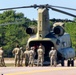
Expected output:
(16, 52)
(40, 56)
(42, 47)
(26, 56)
(2, 63)
(31, 56)
(33, 48)
(21, 56)
(53, 56)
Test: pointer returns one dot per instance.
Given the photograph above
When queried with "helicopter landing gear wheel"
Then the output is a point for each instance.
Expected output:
(70, 62)
(62, 62)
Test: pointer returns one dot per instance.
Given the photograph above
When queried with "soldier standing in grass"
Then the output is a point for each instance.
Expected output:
(21, 56)
(31, 56)
(26, 56)
(16, 52)
(2, 63)
(53, 56)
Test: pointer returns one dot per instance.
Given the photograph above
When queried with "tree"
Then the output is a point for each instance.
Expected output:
(10, 35)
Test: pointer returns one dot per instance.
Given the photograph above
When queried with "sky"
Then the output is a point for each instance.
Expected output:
(32, 13)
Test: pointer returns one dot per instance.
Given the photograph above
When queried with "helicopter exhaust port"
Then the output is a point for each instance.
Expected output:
(31, 30)
(46, 44)
(58, 30)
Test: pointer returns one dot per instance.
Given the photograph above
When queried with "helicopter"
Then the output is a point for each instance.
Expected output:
(48, 36)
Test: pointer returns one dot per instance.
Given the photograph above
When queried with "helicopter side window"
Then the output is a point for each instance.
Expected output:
(64, 44)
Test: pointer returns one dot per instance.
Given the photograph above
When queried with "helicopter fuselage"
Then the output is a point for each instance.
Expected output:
(51, 37)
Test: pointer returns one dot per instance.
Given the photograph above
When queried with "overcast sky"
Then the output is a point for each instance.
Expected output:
(32, 13)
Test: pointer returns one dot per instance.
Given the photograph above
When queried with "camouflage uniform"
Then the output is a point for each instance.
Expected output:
(40, 56)
(16, 52)
(21, 56)
(26, 57)
(2, 63)
(33, 48)
(53, 56)
(42, 47)
(31, 57)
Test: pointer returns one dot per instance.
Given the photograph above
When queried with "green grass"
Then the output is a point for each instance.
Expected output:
(9, 64)
(12, 65)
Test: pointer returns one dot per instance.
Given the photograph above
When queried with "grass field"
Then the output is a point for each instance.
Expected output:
(10, 62)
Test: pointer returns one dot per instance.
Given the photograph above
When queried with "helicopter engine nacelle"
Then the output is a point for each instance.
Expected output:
(58, 30)
(31, 30)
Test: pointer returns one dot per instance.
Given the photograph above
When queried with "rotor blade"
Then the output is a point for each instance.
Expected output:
(63, 7)
(42, 6)
(63, 12)
(35, 6)
(17, 7)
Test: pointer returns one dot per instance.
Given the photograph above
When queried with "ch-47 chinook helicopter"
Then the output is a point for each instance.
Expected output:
(50, 36)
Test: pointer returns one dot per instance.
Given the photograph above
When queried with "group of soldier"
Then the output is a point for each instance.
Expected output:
(29, 56)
